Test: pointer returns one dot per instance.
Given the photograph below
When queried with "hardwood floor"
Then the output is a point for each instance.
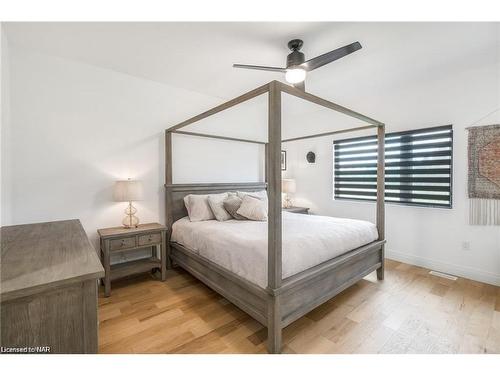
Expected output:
(409, 312)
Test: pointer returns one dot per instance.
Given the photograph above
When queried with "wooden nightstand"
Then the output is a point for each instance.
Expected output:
(119, 239)
(297, 210)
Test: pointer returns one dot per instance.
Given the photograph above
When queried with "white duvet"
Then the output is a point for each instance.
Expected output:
(241, 246)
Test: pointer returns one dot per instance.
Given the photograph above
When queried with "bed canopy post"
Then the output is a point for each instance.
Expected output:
(381, 194)
(266, 151)
(168, 194)
(273, 168)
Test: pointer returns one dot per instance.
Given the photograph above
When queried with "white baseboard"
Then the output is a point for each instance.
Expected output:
(452, 269)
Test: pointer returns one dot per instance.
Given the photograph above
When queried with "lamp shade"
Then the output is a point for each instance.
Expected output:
(127, 191)
(288, 185)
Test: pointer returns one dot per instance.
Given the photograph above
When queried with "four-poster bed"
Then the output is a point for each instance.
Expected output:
(283, 300)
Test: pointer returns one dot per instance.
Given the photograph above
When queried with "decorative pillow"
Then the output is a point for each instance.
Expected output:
(262, 194)
(253, 208)
(186, 202)
(232, 204)
(216, 203)
(198, 208)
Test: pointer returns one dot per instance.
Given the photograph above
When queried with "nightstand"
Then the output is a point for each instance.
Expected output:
(120, 239)
(297, 210)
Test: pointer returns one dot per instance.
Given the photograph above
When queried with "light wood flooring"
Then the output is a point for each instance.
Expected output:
(409, 312)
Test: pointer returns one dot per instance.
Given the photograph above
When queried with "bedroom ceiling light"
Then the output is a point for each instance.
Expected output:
(295, 75)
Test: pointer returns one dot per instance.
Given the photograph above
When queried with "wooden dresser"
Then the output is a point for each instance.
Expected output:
(48, 291)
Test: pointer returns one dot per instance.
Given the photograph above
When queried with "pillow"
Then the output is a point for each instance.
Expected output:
(253, 208)
(216, 203)
(232, 204)
(186, 202)
(198, 208)
(262, 194)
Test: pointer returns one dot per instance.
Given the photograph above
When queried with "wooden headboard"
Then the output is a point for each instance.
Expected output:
(175, 194)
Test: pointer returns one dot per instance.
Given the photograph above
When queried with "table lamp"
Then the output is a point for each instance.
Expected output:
(288, 186)
(128, 191)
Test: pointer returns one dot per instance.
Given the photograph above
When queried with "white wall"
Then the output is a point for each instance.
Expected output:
(76, 128)
(5, 116)
(428, 237)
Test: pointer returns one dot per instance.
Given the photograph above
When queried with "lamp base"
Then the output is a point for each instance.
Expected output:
(288, 202)
(130, 221)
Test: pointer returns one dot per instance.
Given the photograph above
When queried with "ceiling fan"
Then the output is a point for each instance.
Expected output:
(296, 66)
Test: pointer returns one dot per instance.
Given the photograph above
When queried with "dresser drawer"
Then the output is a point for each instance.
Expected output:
(122, 243)
(147, 239)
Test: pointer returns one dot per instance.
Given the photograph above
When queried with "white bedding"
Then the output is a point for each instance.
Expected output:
(241, 246)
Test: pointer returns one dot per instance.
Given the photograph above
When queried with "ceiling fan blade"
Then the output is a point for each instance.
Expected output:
(300, 85)
(328, 57)
(259, 67)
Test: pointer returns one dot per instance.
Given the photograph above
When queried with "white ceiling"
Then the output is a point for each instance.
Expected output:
(199, 56)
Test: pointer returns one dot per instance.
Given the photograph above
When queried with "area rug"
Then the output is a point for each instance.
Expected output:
(484, 175)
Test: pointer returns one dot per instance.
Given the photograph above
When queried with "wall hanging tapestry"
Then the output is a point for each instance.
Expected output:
(484, 175)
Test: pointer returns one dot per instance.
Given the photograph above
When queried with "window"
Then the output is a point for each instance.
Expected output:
(418, 167)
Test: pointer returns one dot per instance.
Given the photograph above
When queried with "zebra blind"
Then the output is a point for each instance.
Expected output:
(418, 167)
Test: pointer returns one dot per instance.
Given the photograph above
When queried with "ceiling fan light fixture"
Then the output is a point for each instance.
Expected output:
(295, 75)
(296, 65)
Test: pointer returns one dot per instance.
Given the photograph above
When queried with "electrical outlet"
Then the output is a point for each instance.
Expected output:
(466, 246)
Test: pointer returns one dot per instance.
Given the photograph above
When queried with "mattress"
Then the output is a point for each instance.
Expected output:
(241, 246)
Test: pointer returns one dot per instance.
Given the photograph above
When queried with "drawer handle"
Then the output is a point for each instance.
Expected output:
(150, 239)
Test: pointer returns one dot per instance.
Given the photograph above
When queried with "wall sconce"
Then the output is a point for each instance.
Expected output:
(311, 157)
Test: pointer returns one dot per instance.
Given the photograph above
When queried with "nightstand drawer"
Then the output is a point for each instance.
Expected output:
(148, 239)
(122, 243)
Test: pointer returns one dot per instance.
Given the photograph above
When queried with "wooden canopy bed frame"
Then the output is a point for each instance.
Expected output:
(284, 300)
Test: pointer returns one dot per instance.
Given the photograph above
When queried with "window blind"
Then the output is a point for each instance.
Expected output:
(418, 167)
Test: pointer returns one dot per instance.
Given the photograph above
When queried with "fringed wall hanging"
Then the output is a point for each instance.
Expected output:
(484, 175)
